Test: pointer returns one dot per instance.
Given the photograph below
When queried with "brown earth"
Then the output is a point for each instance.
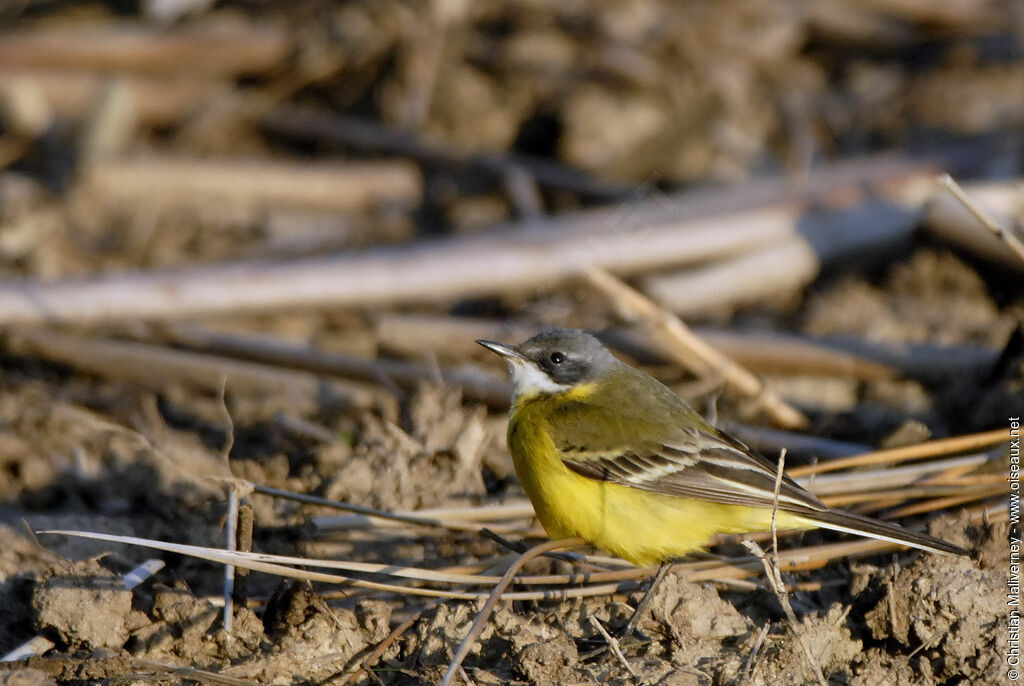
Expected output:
(654, 95)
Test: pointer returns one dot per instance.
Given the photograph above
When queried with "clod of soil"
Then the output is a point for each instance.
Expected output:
(946, 612)
(85, 605)
(26, 677)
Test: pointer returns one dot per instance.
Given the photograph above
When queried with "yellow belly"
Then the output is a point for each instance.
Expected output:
(639, 526)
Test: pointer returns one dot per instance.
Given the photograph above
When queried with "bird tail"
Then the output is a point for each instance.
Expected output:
(849, 522)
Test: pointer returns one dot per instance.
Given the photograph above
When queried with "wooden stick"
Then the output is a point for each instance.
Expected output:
(366, 666)
(904, 494)
(326, 186)
(967, 480)
(229, 570)
(410, 334)
(765, 352)
(138, 664)
(528, 258)
(772, 271)
(158, 101)
(947, 217)
(943, 503)
(775, 580)
(781, 353)
(983, 217)
(689, 228)
(517, 509)
(613, 643)
(155, 367)
(897, 24)
(872, 230)
(685, 347)
(920, 451)
(475, 383)
(456, 524)
(797, 559)
(771, 568)
(891, 477)
(256, 562)
(492, 600)
(214, 48)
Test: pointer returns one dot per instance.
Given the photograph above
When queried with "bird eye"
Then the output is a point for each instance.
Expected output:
(557, 357)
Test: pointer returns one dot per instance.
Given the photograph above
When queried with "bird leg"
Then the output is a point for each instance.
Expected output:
(630, 629)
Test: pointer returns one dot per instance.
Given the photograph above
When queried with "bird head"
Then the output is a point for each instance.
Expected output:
(554, 361)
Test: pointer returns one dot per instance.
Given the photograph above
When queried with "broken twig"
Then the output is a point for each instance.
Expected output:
(492, 600)
(687, 348)
(986, 219)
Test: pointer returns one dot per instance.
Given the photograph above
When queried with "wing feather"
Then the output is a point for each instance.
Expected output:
(657, 443)
(712, 467)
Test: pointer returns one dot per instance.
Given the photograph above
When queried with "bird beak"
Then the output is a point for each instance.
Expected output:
(506, 351)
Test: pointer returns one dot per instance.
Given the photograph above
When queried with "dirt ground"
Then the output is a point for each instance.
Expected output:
(892, 619)
(651, 95)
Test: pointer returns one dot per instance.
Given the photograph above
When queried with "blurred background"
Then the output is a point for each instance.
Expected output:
(257, 240)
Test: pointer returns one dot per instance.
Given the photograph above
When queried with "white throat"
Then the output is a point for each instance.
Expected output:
(531, 381)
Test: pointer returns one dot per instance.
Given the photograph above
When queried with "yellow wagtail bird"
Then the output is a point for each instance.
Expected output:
(607, 453)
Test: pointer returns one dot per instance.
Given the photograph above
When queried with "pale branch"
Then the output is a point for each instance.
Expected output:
(689, 349)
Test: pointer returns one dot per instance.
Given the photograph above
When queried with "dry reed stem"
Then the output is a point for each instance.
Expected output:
(953, 472)
(905, 494)
(949, 220)
(814, 557)
(613, 643)
(365, 667)
(497, 262)
(410, 334)
(749, 662)
(257, 562)
(943, 503)
(795, 355)
(229, 570)
(518, 258)
(191, 673)
(515, 509)
(919, 451)
(154, 367)
(888, 477)
(805, 558)
(454, 525)
(968, 480)
(210, 48)
(794, 559)
(749, 277)
(686, 229)
(686, 347)
(982, 216)
(163, 181)
(771, 568)
(156, 101)
(475, 383)
(492, 600)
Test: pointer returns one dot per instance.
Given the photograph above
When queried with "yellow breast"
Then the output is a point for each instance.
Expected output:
(636, 525)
